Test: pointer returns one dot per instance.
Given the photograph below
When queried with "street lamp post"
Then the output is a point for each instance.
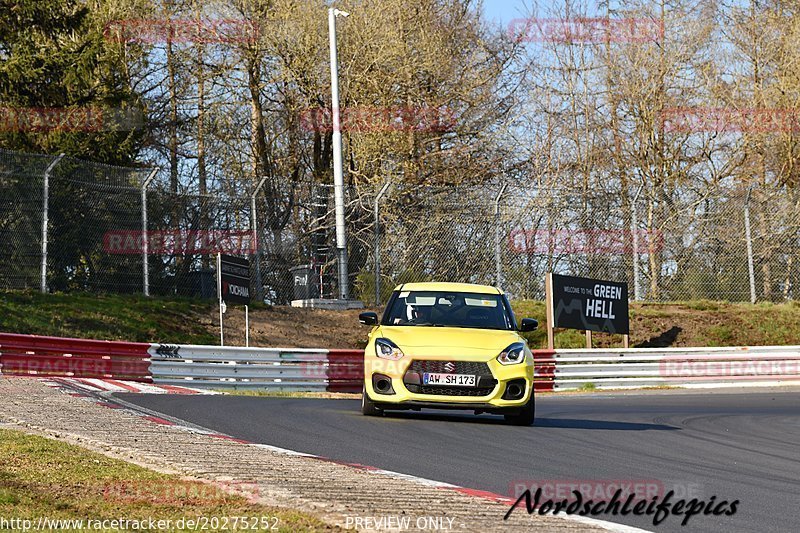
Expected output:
(338, 179)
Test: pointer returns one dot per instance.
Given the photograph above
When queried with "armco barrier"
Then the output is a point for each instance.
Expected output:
(267, 368)
(679, 367)
(30, 355)
(544, 370)
(345, 370)
(342, 370)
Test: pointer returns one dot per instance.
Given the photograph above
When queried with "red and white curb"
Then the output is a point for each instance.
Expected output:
(104, 398)
(115, 385)
(476, 493)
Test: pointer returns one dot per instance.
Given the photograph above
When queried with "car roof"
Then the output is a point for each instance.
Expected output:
(448, 287)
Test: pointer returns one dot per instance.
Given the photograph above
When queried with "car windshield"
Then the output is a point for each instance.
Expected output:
(448, 309)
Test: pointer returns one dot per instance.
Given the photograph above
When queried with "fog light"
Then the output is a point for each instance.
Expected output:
(382, 384)
(515, 390)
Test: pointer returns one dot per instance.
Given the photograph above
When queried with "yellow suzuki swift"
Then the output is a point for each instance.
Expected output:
(449, 346)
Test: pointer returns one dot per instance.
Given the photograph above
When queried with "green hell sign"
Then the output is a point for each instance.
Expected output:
(590, 304)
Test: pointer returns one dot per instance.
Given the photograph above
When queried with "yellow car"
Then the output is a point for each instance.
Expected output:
(449, 346)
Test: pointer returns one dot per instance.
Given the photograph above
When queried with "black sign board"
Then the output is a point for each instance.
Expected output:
(235, 278)
(590, 304)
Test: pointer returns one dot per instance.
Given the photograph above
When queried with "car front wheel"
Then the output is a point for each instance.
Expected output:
(525, 416)
(368, 407)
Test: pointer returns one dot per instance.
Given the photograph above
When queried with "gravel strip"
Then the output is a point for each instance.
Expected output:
(338, 494)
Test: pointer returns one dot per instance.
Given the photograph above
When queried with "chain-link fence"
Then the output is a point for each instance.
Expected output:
(21, 210)
(735, 244)
(71, 225)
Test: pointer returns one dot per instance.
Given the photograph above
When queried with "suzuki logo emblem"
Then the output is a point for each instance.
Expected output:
(450, 367)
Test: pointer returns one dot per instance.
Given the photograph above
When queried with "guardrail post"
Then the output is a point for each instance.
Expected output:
(145, 242)
(45, 220)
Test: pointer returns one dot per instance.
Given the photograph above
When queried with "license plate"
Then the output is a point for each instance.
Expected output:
(460, 380)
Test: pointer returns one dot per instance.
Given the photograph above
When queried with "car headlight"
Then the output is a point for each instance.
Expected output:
(386, 349)
(512, 355)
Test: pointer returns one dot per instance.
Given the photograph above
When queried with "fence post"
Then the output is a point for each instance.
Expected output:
(637, 296)
(256, 240)
(378, 243)
(145, 240)
(498, 265)
(749, 239)
(45, 219)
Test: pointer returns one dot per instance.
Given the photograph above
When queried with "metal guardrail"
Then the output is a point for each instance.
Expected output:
(286, 369)
(679, 367)
(293, 369)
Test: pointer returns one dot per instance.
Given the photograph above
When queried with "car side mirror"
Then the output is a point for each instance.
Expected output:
(528, 324)
(369, 318)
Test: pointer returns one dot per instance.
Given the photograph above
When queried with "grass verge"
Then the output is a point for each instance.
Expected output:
(127, 317)
(42, 477)
(678, 324)
(188, 321)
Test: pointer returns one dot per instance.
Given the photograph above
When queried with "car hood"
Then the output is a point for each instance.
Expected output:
(423, 340)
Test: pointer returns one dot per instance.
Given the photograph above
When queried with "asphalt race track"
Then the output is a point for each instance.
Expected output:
(742, 447)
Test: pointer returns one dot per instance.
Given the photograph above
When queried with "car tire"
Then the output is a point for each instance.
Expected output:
(525, 416)
(368, 407)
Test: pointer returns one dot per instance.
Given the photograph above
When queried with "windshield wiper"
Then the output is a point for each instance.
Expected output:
(480, 327)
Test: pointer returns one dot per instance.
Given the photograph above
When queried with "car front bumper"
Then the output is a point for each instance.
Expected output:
(405, 393)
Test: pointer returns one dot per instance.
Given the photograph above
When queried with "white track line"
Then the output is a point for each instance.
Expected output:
(182, 425)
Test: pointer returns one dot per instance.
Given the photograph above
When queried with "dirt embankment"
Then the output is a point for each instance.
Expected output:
(652, 325)
(292, 327)
(185, 321)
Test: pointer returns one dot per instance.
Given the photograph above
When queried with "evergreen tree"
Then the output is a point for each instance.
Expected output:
(64, 85)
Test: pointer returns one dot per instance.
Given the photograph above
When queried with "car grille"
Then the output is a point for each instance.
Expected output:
(450, 391)
(462, 367)
(486, 381)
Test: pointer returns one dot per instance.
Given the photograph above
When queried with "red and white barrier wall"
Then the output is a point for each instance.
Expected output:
(342, 370)
(186, 365)
(31, 355)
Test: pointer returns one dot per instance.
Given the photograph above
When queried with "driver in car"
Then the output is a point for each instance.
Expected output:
(421, 314)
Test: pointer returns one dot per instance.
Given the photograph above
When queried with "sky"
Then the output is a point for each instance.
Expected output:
(504, 11)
